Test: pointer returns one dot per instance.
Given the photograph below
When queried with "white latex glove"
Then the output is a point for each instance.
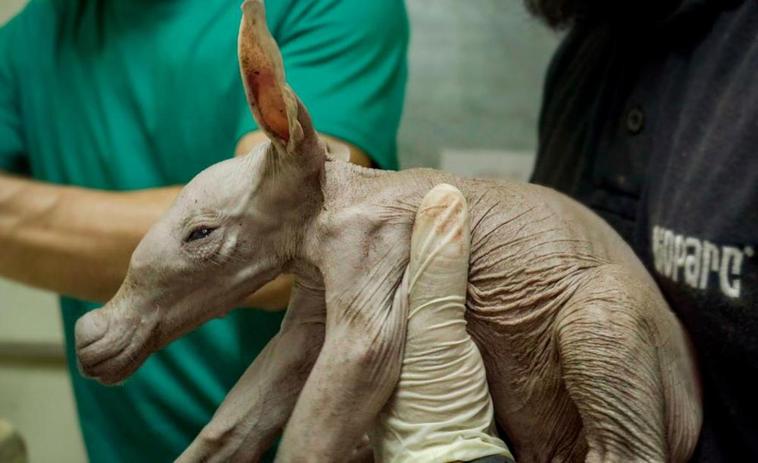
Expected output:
(441, 410)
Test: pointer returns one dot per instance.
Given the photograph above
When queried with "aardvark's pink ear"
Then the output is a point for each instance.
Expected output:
(273, 103)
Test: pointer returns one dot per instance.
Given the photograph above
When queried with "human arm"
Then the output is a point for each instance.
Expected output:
(78, 241)
(72, 240)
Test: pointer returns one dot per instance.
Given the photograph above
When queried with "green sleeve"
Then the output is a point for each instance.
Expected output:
(347, 61)
(12, 147)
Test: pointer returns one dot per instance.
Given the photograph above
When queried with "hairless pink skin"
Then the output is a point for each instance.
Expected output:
(584, 359)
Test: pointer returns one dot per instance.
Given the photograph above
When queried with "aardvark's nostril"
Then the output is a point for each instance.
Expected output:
(90, 328)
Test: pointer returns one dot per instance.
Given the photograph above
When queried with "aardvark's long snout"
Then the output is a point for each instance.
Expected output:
(111, 343)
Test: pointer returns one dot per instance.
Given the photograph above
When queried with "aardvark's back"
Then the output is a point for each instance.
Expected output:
(573, 331)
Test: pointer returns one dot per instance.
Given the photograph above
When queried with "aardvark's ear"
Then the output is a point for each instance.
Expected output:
(273, 103)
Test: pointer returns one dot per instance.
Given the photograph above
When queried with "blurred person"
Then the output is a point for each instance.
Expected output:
(106, 108)
(650, 118)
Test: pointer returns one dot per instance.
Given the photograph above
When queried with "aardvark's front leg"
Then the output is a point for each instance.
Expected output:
(358, 367)
(256, 409)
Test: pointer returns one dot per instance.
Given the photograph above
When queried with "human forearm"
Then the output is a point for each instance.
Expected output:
(72, 240)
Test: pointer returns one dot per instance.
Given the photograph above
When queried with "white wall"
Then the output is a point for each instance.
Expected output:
(475, 81)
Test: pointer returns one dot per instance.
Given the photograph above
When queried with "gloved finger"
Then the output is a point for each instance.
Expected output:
(438, 268)
(441, 409)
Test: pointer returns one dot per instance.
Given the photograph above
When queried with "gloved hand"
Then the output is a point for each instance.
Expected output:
(441, 410)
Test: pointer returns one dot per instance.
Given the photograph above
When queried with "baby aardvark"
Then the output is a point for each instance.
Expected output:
(584, 359)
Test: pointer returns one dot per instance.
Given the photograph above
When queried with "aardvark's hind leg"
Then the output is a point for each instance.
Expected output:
(611, 370)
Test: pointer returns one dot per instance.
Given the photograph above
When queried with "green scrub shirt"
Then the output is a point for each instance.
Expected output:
(130, 94)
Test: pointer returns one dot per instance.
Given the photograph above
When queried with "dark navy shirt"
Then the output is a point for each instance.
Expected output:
(653, 123)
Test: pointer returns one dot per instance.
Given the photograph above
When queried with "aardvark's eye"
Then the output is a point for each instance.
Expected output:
(198, 233)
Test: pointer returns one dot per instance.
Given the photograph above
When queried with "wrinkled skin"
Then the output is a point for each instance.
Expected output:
(584, 360)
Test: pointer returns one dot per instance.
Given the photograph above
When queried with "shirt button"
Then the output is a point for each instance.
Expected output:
(635, 120)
